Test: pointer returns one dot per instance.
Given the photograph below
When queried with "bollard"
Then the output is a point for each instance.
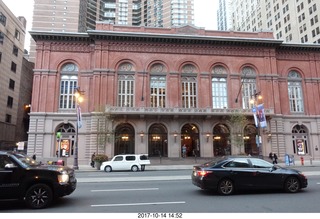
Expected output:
(302, 161)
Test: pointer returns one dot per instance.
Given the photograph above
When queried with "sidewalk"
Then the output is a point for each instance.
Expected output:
(188, 163)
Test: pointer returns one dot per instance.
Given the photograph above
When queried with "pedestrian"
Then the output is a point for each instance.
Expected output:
(271, 156)
(92, 159)
(57, 153)
(184, 150)
(275, 158)
(34, 156)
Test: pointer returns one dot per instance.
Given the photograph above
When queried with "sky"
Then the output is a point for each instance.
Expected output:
(205, 13)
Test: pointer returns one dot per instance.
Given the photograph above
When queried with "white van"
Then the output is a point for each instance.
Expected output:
(121, 162)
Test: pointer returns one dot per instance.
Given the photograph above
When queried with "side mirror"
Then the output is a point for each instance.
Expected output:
(9, 166)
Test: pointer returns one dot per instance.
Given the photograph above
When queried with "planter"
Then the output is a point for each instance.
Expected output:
(97, 165)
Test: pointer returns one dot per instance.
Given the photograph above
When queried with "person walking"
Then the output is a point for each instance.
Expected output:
(34, 156)
(184, 150)
(92, 159)
(271, 156)
(275, 158)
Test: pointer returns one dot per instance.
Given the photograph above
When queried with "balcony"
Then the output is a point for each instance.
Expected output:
(180, 111)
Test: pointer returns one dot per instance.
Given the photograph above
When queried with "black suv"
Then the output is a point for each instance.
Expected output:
(23, 178)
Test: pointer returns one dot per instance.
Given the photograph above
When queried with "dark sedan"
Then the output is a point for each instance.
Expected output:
(242, 173)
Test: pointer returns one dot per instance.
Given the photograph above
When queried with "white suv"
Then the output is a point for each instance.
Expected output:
(133, 162)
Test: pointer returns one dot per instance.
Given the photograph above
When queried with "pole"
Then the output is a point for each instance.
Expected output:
(75, 161)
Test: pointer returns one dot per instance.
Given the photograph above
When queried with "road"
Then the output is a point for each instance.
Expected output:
(171, 192)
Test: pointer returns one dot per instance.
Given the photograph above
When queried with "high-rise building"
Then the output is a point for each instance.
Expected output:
(292, 21)
(224, 19)
(82, 15)
(15, 80)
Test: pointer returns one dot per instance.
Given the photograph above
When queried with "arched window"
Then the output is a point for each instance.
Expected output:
(68, 85)
(158, 86)
(189, 86)
(219, 87)
(126, 85)
(248, 86)
(295, 92)
(299, 140)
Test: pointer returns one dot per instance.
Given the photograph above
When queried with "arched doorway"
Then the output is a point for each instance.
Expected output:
(65, 143)
(124, 139)
(250, 141)
(158, 141)
(300, 140)
(221, 140)
(190, 137)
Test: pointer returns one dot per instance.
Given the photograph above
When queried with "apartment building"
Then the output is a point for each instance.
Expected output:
(152, 90)
(295, 21)
(16, 77)
(81, 15)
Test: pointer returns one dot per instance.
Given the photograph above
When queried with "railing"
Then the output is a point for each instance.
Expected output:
(180, 111)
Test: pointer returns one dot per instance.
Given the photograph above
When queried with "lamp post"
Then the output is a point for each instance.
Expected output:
(79, 98)
(258, 114)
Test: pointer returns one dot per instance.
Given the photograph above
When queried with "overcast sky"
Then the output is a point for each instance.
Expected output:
(205, 13)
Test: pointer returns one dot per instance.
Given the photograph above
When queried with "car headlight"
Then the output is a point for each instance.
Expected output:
(63, 178)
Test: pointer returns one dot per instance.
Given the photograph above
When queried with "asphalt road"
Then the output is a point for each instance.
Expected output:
(170, 192)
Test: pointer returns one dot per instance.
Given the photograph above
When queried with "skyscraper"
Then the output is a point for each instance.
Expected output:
(292, 21)
(81, 15)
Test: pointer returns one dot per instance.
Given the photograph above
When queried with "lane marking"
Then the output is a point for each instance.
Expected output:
(124, 190)
(135, 204)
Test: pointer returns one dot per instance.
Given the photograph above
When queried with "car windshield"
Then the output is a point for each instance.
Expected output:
(25, 160)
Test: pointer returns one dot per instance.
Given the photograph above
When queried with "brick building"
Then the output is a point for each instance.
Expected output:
(151, 90)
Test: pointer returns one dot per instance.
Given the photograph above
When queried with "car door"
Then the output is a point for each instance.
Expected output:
(118, 162)
(9, 178)
(130, 161)
(265, 176)
(240, 172)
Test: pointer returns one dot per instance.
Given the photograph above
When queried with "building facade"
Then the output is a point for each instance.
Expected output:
(151, 90)
(15, 80)
(292, 21)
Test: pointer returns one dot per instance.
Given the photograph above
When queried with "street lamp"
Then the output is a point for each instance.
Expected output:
(259, 117)
(79, 98)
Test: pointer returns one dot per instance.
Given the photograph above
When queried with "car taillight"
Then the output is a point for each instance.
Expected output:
(203, 172)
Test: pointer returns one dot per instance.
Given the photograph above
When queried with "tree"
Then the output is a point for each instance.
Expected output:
(104, 121)
(238, 122)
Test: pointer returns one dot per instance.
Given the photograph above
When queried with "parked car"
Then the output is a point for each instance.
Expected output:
(230, 174)
(22, 178)
(122, 162)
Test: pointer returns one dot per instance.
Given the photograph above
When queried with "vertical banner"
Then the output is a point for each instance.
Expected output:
(254, 110)
(261, 116)
(79, 117)
(300, 147)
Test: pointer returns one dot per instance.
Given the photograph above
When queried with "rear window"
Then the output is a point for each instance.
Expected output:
(130, 158)
(143, 157)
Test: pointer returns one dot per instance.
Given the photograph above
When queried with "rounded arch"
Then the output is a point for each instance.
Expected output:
(300, 140)
(221, 140)
(124, 139)
(157, 66)
(188, 67)
(158, 140)
(65, 144)
(294, 69)
(248, 70)
(250, 142)
(219, 69)
(126, 66)
(294, 74)
(190, 137)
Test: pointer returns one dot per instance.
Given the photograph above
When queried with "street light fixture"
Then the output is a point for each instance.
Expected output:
(79, 99)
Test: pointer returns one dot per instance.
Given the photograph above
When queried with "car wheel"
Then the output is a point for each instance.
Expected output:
(107, 169)
(39, 196)
(292, 185)
(225, 187)
(134, 168)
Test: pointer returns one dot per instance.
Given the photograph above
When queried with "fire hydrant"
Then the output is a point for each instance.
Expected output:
(302, 161)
